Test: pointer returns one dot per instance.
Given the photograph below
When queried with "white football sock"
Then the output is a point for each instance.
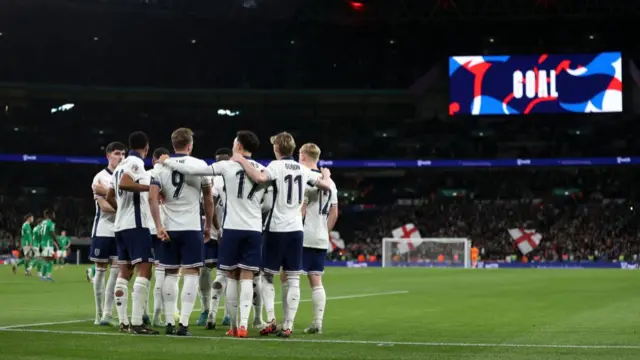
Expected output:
(122, 301)
(319, 301)
(232, 301)
(170, 297)
(177, 309)
(188, 298)
(157, 293)
(293, 300)
(269, 298)
(257, 299)
(147, 308)
(205, 288)
(140, 296)
(246, 297)
(285, 303)
(109, 299)
(98, 290)
(217, 291)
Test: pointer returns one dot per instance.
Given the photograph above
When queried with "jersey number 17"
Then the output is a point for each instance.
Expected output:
(241, 181)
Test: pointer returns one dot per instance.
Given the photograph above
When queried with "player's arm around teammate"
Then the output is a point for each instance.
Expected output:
(201, 169)
(261, 177)
(110, 198)
(154, 207)
(209, 212)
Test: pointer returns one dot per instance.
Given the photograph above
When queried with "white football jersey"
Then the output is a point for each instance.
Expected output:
(133, 208)
(267, 204)
(267, 200)
(152, 224)
(319, 203)
(220, 199)
(103, 223)
(182, 193)
(289, 179)
(243, 197)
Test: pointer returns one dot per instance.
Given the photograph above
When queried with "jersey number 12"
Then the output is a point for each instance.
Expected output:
(324, 209)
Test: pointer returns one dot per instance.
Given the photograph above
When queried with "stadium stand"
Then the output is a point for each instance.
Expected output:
(117, 82)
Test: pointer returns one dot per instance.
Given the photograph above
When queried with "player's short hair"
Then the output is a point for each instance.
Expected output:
(160, 151)
(224, 152)
(47, 213)
(249, 140)
(311, 150)
(138, 140)
(115, 146)
(28, 216)
(181, 138)
(284, 141)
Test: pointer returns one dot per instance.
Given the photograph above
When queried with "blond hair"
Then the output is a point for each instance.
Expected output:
(284, 141)
(311, 150)
(181, 138)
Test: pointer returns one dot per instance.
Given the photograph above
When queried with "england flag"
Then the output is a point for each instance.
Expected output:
(335, 241)
(526, 240)
(409, 232)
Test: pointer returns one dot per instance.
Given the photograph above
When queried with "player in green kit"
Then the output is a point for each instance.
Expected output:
(35, 248)
(65, 244)
(25, 244)
(48, 243)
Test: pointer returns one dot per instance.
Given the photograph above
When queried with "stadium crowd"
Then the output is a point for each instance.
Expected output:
(582, 214)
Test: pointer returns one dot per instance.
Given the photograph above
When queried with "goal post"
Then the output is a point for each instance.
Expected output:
(426, 252)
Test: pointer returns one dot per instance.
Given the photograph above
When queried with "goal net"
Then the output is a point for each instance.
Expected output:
(426, 252)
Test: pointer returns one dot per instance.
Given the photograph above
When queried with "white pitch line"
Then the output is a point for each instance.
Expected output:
(340, 297)
(43, 324)
(351, 342)
(277, 302)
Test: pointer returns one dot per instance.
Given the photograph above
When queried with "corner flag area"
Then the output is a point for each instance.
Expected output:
(391, 313)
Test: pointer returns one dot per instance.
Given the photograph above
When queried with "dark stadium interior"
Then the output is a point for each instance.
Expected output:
(362, 84)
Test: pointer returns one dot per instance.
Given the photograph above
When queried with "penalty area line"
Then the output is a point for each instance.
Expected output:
(277, 302)
(348, 342)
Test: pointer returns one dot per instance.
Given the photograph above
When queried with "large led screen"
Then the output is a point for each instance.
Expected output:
(528, 84)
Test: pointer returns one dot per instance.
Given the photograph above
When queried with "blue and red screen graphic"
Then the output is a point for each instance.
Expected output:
(527, 84)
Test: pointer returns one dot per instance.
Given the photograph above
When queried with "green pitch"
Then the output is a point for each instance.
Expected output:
(371, 314)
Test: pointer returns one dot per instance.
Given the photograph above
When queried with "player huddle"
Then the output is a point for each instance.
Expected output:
(249, 221)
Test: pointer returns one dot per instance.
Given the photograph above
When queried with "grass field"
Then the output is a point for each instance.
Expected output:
(371, 314)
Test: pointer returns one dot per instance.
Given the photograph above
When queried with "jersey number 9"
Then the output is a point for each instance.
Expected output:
(177, 180)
